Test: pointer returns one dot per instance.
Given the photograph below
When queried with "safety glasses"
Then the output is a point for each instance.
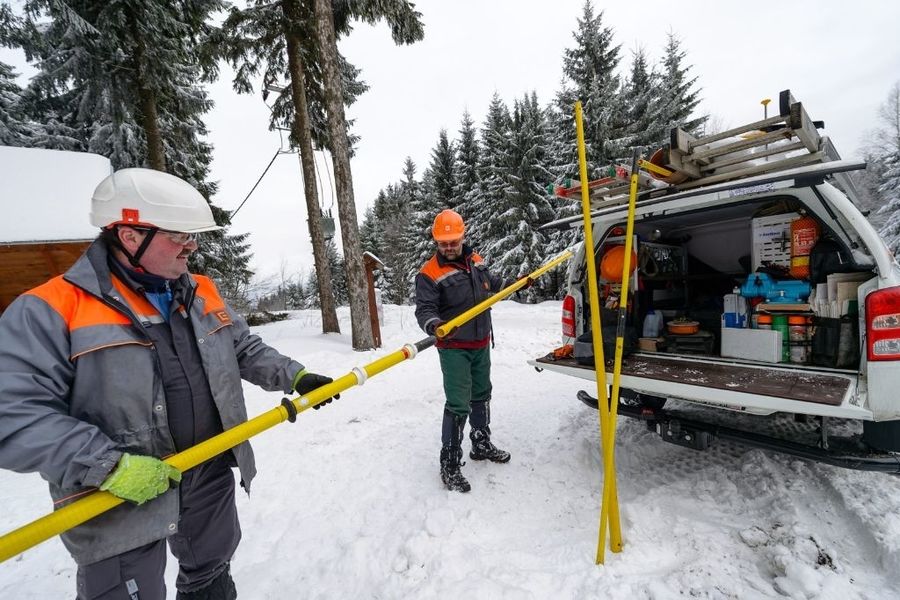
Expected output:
(450, 244)
(177, 237)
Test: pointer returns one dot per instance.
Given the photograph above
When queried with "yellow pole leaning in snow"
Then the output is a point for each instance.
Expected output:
(80, 511)
(609, 504)
(446, 328)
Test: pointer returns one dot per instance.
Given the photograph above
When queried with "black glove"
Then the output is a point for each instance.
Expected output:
(432, 330)
(432, 326)
(313, 381)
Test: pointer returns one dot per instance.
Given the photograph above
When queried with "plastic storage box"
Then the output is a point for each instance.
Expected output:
(752, 344)
(772, 239)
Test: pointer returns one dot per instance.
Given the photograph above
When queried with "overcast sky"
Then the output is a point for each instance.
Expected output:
(838, 58)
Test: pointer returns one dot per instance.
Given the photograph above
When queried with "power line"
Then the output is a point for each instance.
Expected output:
(266, 170)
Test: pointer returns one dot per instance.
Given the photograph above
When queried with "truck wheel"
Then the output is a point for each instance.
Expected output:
(882, 435)
(629, 397)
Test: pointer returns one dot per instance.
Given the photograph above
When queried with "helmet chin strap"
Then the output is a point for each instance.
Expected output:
(135, 259)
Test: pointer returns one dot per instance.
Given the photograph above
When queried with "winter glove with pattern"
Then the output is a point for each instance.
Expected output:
(140, 478)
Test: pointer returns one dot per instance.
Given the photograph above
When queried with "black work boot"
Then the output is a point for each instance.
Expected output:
(220, 588)
(482, 448)
(451, 453)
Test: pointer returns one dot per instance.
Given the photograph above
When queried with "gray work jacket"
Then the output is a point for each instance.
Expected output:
(80, 384)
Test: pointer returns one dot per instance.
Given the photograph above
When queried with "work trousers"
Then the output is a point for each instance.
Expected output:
(467, 377)
(208, 534)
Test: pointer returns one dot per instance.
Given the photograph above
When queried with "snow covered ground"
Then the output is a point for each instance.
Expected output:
(348, 502)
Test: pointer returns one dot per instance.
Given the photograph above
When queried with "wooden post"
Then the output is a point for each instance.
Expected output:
(371, 262)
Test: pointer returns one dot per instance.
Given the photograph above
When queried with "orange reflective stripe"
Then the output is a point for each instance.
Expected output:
(75, 306)
(81, 309)
(206, 289)
(434, 271)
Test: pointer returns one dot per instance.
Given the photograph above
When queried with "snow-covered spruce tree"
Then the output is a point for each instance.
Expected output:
(369, 234)
(412, 198)
(867, 183)
(15, 130)
(339, 272)
(438, 193)
(465, 168)
(296, 294)
(678, 95)
(639, 97)
(126, 80)
(443, 178)
(589, 75)
(493, 162)
(395, 231)
(887, 153)
(510, 240)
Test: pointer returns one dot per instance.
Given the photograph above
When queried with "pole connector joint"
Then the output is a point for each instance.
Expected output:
(291, 409)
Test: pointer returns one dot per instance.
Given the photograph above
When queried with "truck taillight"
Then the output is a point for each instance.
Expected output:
(883, 324)
(568, 316)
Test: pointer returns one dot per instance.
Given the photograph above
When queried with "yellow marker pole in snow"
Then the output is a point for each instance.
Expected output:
(609, 506)
(446, 328)
(609, 443)
(96, 503)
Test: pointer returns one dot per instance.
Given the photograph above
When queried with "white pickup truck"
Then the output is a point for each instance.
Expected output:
(695, 246)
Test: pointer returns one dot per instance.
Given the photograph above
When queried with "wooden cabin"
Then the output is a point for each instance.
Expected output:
(45, 197)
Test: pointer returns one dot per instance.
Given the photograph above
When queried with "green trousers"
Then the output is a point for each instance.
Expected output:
(467, 377)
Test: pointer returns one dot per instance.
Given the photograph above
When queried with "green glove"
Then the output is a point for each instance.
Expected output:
(140, 478)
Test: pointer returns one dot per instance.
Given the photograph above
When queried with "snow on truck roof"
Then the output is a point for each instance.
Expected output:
(46, 194)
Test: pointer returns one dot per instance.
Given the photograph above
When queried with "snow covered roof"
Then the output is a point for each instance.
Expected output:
(45, 195)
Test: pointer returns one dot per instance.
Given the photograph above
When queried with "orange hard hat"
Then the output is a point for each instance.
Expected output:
(448, 226)
(612, 262)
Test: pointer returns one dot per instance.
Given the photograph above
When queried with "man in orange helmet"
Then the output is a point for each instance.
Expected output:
(452, 281)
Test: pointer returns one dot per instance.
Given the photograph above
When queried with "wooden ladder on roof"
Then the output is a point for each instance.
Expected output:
(609, 190)
(787, 140)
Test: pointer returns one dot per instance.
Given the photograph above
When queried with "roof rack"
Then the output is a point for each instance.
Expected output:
(784, 141)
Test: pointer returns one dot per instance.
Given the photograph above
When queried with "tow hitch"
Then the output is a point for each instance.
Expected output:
(674, 432)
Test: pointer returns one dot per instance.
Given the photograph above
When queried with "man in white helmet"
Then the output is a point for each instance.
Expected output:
(125, 359)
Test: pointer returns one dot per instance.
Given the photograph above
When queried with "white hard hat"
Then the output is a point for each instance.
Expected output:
(150, 198)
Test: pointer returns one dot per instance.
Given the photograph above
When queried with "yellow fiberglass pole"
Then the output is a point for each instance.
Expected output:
(96, 503)
(446, 328)
(609, 443)
(609, 507)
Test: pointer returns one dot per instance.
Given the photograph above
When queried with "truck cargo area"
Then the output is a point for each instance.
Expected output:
(691, 264)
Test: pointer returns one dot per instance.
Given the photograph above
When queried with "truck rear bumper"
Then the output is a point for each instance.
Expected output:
(752, 388)
(807, 438)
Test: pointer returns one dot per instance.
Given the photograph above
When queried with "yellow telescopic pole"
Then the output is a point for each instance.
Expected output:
(609, 507)
(32, 534)
(476, 310)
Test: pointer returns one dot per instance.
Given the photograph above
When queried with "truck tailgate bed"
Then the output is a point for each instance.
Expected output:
(668, 375)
